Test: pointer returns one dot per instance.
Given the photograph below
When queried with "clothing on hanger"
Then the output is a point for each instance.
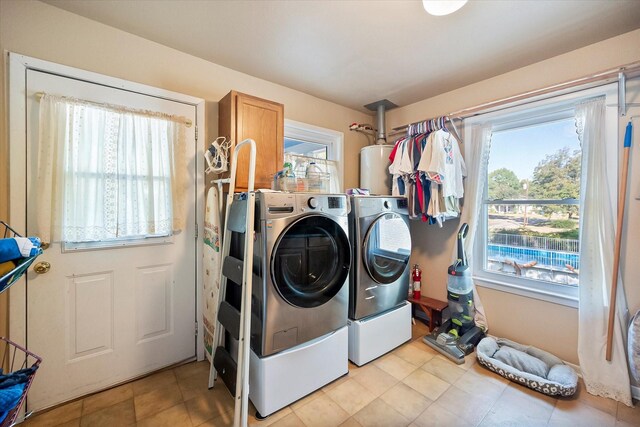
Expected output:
(428, 169)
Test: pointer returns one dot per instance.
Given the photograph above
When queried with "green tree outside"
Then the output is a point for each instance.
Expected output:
(558, 177)
(503, 185)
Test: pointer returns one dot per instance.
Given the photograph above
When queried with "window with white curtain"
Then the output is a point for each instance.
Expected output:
(115, 176)
(529, 228)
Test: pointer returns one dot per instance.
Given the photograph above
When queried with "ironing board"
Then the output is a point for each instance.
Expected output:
(212, 259)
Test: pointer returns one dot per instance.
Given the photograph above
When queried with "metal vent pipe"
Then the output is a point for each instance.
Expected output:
(381, 134)
(380, 107)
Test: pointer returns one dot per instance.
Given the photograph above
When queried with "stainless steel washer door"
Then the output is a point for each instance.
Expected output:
(310, 261)
(387, 248)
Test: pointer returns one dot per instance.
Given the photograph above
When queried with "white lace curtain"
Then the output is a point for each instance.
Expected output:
(476, 157)
(107, 172)
(597, 229)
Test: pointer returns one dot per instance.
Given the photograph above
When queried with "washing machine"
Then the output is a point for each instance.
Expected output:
(379, 314)
(300, 297)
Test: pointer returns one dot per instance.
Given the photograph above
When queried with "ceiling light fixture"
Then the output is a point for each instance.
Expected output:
(442, 7)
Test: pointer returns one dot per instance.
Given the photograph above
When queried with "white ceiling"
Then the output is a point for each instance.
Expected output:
(357, 52)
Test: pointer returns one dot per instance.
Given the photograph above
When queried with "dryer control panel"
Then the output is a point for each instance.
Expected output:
(365, 206)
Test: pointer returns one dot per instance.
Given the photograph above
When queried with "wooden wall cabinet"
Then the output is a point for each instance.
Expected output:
(242, 116)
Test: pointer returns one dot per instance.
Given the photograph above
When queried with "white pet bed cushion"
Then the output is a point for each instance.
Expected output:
(529, 366)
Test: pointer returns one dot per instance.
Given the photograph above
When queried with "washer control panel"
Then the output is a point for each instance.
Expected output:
(279, 205)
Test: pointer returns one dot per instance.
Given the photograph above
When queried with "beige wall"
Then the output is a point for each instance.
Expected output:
(38, 30)
(45, 32)
(549, 326)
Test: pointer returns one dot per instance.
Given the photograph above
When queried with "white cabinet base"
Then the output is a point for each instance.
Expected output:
(374, 336)
(279, 380)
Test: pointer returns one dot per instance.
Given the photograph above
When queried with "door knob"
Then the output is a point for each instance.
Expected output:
(42, 267)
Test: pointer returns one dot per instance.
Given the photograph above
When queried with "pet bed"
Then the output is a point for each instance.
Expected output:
(529, 366)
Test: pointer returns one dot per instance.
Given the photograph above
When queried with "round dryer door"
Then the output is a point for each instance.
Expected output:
(310, 261)
(387, 247)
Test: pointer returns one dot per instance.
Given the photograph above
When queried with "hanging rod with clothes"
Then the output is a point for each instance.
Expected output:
(429, 125)
(179, 119)
(611, 75)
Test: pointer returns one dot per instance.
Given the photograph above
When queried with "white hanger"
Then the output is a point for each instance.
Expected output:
(216, 155)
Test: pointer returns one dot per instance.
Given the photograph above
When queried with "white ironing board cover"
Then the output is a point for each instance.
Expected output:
(212, 262)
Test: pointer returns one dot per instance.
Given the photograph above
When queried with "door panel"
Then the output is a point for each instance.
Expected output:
(154, 299)
(102, 316)
(90, 305)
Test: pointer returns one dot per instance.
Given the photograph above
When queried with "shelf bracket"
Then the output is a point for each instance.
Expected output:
(622, 94)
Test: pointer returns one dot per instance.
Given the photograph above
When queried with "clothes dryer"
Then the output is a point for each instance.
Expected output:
(380, 317)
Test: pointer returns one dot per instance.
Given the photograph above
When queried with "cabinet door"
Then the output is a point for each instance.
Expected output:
(263, 121)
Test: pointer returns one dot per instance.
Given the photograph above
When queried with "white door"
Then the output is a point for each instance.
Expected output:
(103, 315)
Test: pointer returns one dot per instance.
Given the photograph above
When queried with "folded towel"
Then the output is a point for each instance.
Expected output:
(29, 246)
(17, 377)
(19, 247)
(9, 399)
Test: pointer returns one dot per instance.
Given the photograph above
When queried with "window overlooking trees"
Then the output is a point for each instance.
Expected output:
(531, 238)
(532, 201)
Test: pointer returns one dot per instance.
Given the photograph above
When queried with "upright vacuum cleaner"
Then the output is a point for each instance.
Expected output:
(458, 335)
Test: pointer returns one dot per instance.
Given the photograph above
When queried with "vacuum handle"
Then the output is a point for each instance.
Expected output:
(462, 233)
(464, 229)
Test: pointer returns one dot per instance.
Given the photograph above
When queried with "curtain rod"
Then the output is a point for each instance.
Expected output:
(631, 70)
(188, 123)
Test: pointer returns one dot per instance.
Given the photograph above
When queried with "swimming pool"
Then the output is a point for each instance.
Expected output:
(555, 259)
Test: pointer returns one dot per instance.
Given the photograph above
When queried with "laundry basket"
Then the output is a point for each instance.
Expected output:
(323, 178)
(18, 368)
(18, 365)
(20, 266)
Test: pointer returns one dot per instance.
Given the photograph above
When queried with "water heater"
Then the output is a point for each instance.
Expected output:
(374, 169)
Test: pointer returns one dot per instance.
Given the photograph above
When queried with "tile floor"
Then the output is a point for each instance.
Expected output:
(411, 386)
